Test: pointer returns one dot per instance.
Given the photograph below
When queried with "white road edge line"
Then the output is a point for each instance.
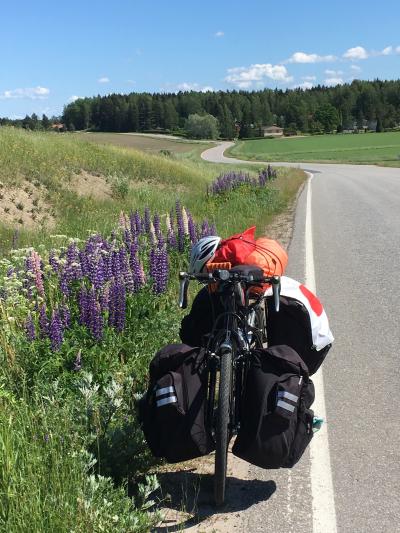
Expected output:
(323, 500)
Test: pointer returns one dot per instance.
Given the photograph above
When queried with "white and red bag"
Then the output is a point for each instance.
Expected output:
(301, 323)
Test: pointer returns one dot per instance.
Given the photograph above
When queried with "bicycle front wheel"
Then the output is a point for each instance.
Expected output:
(222, 427)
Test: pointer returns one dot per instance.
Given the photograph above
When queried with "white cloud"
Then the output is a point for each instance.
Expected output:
(333, 73)
(185, 86)
(219, 34)
(302, 57)
(397, 49)
(334, 81)
(309, 78)
(103, 79)
(32, 93)
(387, 51)
(74, 98)
(244, 77)
(355, 68)
(305, 85)
(358, 52)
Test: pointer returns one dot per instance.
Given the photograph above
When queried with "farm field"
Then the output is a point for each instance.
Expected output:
(372, 148)
(91, 240)
(146, 143)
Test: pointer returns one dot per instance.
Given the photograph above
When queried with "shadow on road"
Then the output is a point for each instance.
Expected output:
(190, 494)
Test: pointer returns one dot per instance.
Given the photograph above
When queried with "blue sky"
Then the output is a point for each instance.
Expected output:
(52, 52)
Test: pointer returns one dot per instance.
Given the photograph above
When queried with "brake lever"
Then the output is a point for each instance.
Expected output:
(183, 290)
(276, 290)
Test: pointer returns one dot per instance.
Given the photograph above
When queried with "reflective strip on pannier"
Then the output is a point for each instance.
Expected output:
(165, 401)
(286, 406)
(288, 395)
(164, 390)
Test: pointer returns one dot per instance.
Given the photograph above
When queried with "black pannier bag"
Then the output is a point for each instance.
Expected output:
(301, 323)
(276, 419)
(173, 410)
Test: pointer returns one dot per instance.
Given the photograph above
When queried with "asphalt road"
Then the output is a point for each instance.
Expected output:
(356, 241)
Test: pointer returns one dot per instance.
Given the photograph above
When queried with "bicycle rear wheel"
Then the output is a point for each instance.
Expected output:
(222, 427)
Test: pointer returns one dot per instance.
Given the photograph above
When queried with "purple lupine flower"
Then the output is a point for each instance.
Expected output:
(180, 226)
(117, 306)
(64, 284)
(171, 239)
(96, 270)
(108, 266)
(205, 228)
(73, 264)
(43, 322)
(229, 181)
(125, 270)
(213, 229)
(56, 331)
(95, 319)
(156, 225)
(65, 316)
(116, 267)
(137, 273)
(53, 262)
(30, 328)
(104, 298)
(192, 229)
(83, 258)
(160, 269)
(147, 219)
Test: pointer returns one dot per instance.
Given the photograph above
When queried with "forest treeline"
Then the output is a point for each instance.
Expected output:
(358, 105)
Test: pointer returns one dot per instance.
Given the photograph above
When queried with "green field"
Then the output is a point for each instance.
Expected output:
(146, 143)
(372, 148)
(72, 454)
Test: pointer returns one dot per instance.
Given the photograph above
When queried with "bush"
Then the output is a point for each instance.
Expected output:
(120, 188)
(202, 127)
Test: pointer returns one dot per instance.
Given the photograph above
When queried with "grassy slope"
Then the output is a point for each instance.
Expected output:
(156, 181)
(380, 148)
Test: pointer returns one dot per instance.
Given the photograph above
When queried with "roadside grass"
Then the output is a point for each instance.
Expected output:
(370, 148)
(62, 429)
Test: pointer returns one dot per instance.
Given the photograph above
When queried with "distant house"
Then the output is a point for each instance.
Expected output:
(57, 126)
(272, 131)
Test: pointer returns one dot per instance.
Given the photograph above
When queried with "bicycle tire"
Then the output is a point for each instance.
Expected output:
(222, 427)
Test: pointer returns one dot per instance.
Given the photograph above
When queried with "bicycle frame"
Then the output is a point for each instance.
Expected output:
(228, 353)
(235, 335)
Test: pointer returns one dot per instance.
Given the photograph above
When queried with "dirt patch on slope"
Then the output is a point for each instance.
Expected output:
(25, 206)
(90, 185)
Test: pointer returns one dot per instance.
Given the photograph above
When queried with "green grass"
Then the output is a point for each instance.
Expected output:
(54, 421)
(372, 148)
